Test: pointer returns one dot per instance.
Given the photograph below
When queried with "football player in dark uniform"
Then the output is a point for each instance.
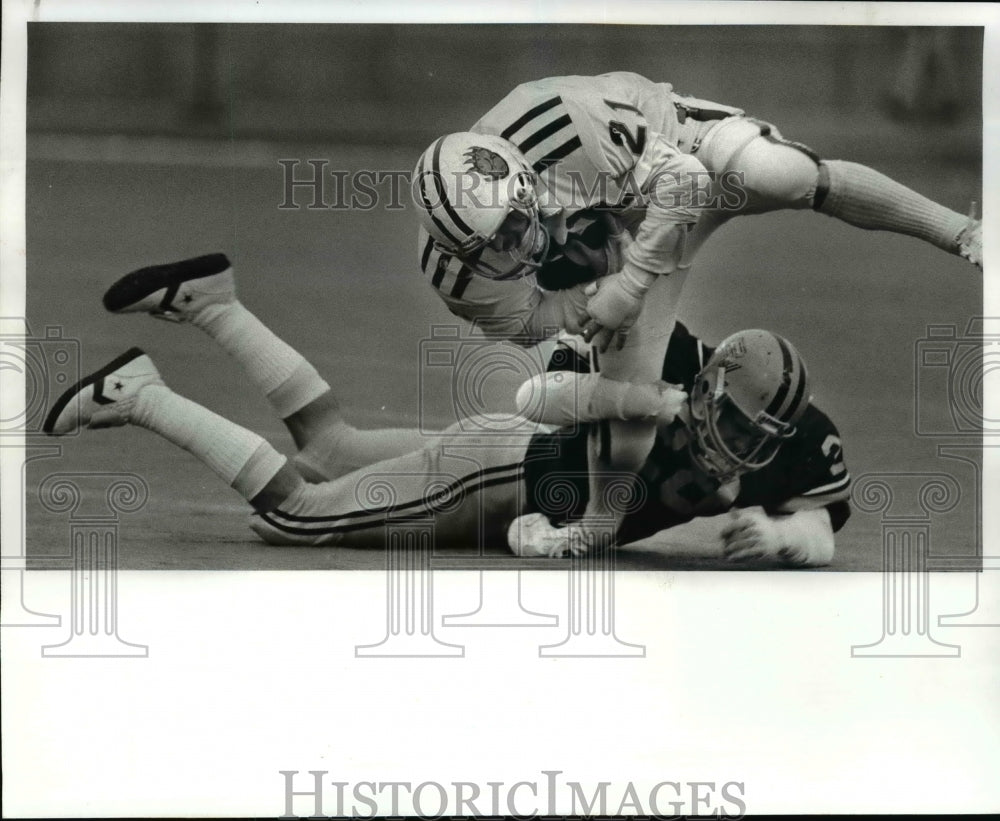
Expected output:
(747, 440)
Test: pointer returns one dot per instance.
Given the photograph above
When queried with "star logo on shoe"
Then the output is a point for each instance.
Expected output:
(187, 298)
(119, 386)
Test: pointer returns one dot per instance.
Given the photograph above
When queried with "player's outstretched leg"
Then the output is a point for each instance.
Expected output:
(129, 390)
(202, 291)
(775, 173)
(866, 198)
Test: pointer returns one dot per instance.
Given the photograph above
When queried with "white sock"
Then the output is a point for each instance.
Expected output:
(243, 459)
(283, 375)
(865, 198)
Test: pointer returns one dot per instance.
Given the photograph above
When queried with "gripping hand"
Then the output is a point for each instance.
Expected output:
(614, 305)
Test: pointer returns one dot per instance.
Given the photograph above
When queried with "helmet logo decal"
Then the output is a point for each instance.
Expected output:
(487, 162)
(727, 356)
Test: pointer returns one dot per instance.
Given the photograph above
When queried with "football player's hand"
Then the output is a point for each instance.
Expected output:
(674, 399)
(750, 534)
(573, 308)
(614, 305)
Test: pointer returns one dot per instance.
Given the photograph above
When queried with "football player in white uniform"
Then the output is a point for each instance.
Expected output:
(596, 156)
(747, 441)
(528, 219)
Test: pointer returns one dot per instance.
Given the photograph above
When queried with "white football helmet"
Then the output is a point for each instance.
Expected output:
(746, 402)
(476, 196)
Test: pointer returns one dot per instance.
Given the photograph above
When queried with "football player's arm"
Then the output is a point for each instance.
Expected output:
(798, 527)
(671, 182)
(563, 399)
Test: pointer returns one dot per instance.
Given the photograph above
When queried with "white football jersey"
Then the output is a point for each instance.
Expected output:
(613, 154)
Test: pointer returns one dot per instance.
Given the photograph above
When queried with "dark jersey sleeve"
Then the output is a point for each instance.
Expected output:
(808, 472)
(686, 356)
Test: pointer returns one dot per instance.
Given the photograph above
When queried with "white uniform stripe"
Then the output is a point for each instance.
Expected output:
(840, 483)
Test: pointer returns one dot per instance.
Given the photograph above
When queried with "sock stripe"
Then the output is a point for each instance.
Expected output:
(822, 187)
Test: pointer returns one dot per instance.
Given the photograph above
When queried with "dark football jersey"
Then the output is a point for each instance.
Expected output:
(808, 471)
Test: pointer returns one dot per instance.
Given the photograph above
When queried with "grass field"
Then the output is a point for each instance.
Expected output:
(343, 287)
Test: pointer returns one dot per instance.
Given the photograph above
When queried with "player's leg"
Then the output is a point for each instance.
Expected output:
(470, 492)
(775, 173)
(202, 291)
(129, 390)
(617, 449)
(468, 489)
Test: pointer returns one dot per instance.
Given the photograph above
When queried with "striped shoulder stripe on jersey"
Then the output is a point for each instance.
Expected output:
(832, 487)
(462, 280)
(536, 145)
(528, 116)
(426, 254)
(557, 154)
(447, 272)
(818, 497)
(544, 133)
(795, 373)
(378, 517)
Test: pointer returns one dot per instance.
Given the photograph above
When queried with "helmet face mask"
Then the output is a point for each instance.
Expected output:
(516, 249)
(745, 403)
(476, 196)
(726, 443)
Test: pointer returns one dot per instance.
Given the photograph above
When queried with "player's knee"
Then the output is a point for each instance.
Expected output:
(309, 469)
(280, 529)
(528, 399)
(779, 173)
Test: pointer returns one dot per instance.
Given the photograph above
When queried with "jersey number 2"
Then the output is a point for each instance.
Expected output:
(620, 135)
